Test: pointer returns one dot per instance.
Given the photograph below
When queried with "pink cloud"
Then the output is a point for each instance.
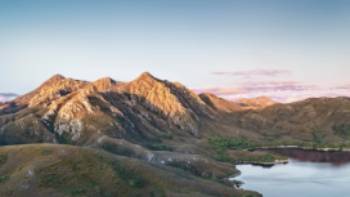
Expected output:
(267, 86)
(254, 73)
(282, 91)
(343, 87)
(259, 87)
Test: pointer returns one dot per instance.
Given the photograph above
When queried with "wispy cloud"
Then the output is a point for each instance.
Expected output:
(268, 86)
(254, 73)
(282, 91)
(343, 87)
(259, 87)
(275, 83)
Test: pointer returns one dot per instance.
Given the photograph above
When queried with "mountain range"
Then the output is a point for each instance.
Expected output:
(152, 124)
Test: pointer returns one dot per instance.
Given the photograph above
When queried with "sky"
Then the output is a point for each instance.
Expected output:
(286, 49)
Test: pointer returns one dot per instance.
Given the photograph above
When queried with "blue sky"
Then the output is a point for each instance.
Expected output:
(224, 46)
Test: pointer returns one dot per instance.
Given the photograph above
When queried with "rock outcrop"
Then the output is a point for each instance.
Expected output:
(77, 111)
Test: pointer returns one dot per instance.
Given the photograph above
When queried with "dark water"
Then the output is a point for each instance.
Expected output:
(307, 174)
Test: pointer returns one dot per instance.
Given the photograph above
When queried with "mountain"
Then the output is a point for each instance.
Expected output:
(164, 127)
(149, 110)
(64, 109)
(324, 121)
(227, 106)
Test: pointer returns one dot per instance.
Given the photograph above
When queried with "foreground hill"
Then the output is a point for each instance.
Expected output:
(61, 170)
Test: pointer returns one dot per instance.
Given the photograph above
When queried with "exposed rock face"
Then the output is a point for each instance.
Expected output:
(178, 105)
(78, 111)
(54, 88)
(104, 84)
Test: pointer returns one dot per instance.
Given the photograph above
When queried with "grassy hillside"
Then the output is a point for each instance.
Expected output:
(320, 122)
(63, 170)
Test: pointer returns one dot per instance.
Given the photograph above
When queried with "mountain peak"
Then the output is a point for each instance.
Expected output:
(104, 84)
(146, 76)
(57, 77)
(106, 80)
(53, 88)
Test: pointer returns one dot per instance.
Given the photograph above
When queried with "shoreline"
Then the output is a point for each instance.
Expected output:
(327, 149)
(263, 164)
(237, 184)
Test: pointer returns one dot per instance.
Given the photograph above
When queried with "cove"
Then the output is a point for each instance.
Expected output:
(308, 173)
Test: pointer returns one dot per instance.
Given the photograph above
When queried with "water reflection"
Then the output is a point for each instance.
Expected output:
(298, 178)
(333, 157)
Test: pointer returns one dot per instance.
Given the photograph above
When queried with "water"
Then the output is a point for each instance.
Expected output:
(299, 178)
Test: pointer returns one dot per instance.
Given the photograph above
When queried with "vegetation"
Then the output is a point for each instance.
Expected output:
(159, 147)
(186, 167)
(264, 158)
(223, 143)
(342, 130)
(239, 150)
(3, 159)
(318, 138)
(73, 177)
(130, 177)
(4, 178)
(64, 138)
(68, 171)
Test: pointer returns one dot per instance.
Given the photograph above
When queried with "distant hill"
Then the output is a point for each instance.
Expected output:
(315, 120)
(256, 103)
(65, 171)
